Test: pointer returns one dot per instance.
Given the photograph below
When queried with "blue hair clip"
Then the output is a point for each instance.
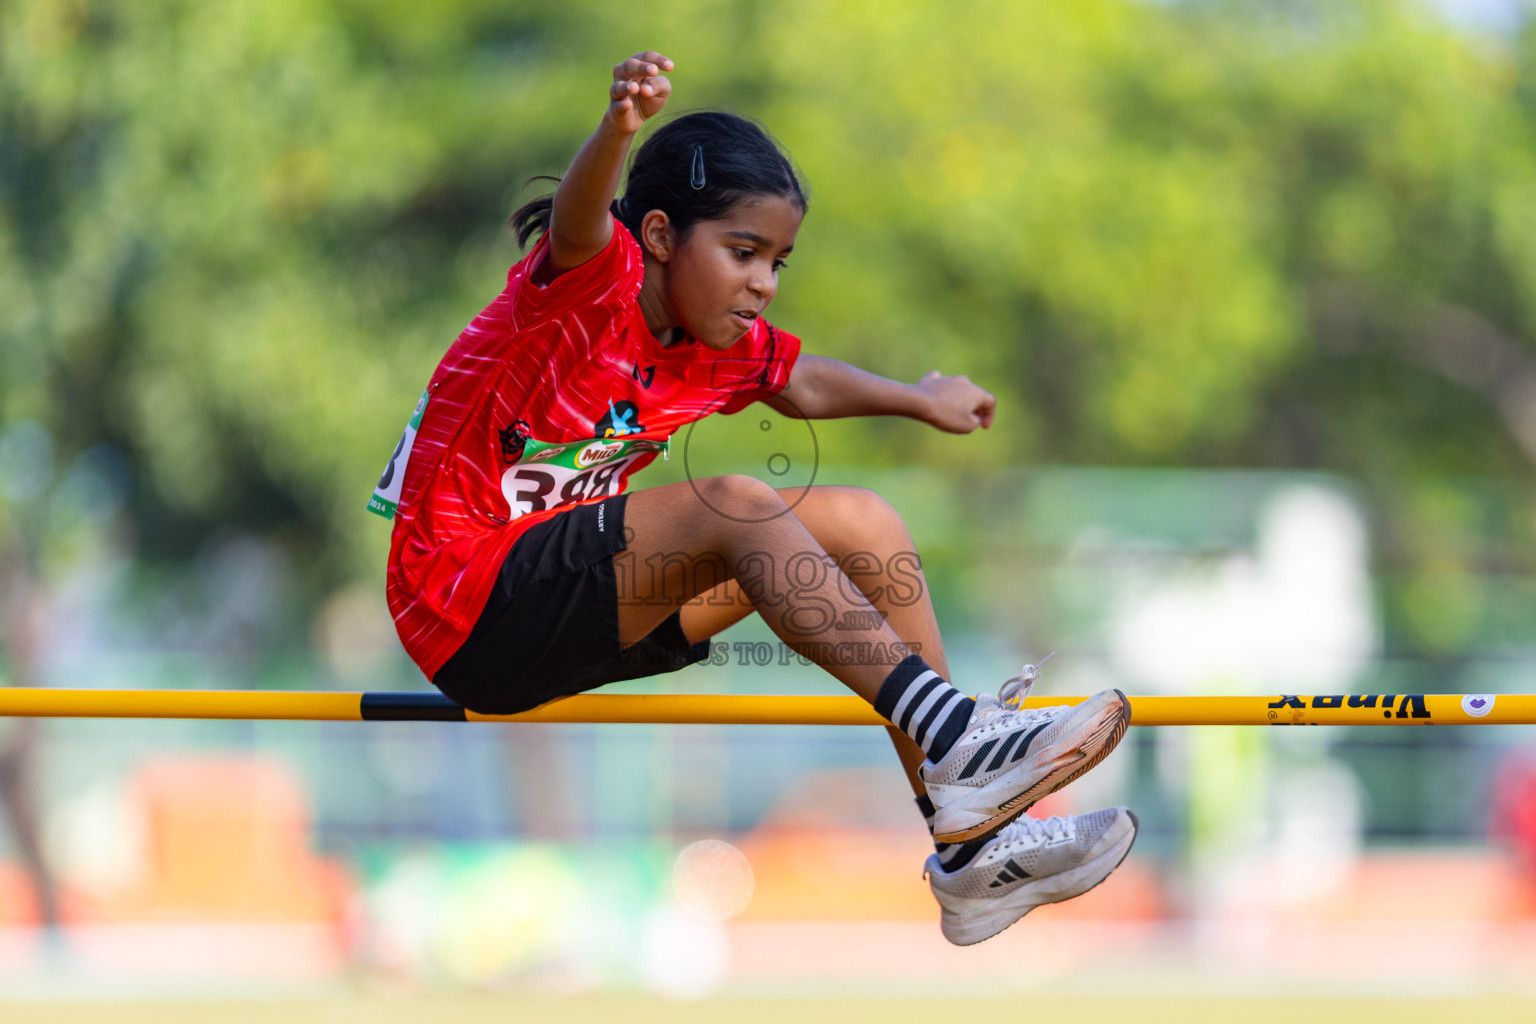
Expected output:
(697, 177)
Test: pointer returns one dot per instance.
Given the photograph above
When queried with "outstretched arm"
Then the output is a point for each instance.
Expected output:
(823, 389)
(579, 224)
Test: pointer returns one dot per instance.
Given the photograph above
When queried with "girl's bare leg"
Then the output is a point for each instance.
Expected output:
(854, 526)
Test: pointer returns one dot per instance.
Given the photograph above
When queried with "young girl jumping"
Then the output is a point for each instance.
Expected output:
(628, 320)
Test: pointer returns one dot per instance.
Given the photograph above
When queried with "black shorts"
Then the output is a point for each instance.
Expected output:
(551, 625)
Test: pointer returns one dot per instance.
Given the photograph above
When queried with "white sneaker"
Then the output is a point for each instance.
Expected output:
(1008, 757)
(1030, 863)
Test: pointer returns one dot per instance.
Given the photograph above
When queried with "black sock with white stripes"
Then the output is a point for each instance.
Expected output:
(918, 701)
(952, 856)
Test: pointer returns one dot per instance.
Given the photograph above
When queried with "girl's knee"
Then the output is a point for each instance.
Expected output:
(867, 510)
(740, 497)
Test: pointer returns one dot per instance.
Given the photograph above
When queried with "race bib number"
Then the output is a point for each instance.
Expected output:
(386, 496)
(550, 475)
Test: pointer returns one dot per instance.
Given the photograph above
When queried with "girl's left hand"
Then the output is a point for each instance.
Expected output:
(955, 404)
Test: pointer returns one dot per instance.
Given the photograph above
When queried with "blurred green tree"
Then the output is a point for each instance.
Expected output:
(234, 239)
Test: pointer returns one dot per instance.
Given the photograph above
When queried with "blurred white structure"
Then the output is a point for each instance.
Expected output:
(1269, 812)
(1295, 615)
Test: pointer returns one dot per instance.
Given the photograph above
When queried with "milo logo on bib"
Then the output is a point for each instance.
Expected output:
(550, 474)
(598, 451)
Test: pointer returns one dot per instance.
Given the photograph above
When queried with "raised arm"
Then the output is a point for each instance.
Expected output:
(823, 389)
(579, 223)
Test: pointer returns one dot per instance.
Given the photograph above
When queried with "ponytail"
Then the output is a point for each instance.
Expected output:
(532, 218)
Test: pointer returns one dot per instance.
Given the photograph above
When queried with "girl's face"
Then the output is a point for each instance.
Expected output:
(718, 280)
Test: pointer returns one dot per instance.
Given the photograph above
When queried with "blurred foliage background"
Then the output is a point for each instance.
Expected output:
(1253, 280)
(234, 239)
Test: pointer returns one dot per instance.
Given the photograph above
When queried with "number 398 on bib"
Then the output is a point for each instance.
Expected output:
(552, 474)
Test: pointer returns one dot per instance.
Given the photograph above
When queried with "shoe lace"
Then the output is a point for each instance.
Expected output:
(1016, 689)
(1041, 831)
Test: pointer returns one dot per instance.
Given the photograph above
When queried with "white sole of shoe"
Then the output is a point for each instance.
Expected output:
(1056, 765)
(966, 922)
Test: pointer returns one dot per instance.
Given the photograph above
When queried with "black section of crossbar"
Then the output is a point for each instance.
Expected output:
(410, 707)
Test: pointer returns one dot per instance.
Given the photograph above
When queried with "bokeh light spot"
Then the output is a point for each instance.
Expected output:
(712, 880)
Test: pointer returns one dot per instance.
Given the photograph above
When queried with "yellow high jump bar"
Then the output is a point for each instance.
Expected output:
(744, 709)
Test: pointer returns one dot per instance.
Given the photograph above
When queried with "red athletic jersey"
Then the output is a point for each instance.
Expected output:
(566, 362)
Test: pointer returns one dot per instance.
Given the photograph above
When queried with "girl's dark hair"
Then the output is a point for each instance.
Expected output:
(694, 168)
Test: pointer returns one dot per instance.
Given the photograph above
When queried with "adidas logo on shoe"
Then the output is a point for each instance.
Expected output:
(1003, 876)
(974, 764)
